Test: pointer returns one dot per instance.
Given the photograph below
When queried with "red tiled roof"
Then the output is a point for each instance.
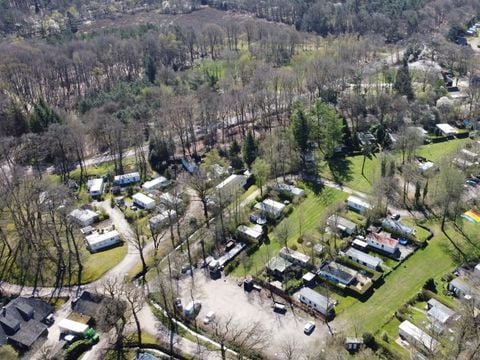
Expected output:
(383, 239)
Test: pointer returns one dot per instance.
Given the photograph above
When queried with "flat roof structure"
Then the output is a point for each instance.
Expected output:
(447, 129)
(254, 232)
(143, 199)
(294, 256)
(97, 238)
(278, 264)
(282, 187)
(155, 183)
(337, 272)
(419, 336)
(439, 312)
(316, 297)
(365, 259)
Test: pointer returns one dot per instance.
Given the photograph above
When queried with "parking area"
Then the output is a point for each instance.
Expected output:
(227, 299)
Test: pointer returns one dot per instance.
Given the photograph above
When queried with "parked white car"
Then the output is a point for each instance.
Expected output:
(209, 318)
(309, 327)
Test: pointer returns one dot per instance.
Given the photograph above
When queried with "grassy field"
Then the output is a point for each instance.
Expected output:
(97, 264)
(304, 219)
(348, 171)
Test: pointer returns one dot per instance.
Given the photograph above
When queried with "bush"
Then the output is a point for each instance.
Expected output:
(294, 247)
(369, 340)
(385, 336)
(300, 240)
(430, 285)
(77, 348)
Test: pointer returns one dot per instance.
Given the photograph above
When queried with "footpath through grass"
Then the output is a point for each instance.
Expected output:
(303, 220)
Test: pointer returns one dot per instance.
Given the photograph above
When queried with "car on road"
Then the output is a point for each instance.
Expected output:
(279, 308)
(308, 328)
(471, 183)
(209, 318)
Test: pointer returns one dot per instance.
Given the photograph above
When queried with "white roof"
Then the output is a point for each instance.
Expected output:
(98, 238)
(418, 335)
(83, 215)
(289, 188)
(468, 153)
(253, 231)
(162, 216)
(359, 201)
(426, 165)
(363, 257)
(447, 129)
(439, 312)
(95, 185)
(130, 176)
(275, 204)
(360, 243)
(230, 179)
(73, 326)
(477, 267)
(158, 181)
(142, 198)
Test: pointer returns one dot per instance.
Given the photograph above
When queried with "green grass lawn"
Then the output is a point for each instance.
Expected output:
(97, 264)
(399, 287)
(304, 219)
(348, 171)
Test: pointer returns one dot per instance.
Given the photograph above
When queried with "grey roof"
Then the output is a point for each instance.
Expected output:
(339, 221)
(338, 271)
(279, 264)
(465, 287)
(397, 227)
(293, 255)
(316, 297)
(22, 322)
(363, 257)
(439, 312)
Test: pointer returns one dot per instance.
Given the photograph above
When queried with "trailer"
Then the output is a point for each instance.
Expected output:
(68, 326)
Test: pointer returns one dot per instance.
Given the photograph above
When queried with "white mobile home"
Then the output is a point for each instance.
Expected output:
(288, 189)
(316, 301)
(126, 179)
(417, 337)
(469, 155)
(143, 201)
(158, 182)
(294, 257)
(97, 241)
(231, 185)
(362, 258)
(271, 208)
(476, 271)
(438, 312)
(250, 232)
(158, 221)
(382, 242)
(358, 204)
(95, 187)
(346, 226)
(446, 130)
(84, 217)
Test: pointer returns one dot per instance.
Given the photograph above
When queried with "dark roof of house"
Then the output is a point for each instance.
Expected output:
(88, 303)
(21, 321)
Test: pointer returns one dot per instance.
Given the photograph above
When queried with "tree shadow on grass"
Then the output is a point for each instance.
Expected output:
(341, 169)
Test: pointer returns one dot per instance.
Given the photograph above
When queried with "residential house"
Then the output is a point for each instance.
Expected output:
(156, 183)
(95, 187)
(295, 257)
(84, 217)
(93, 305)
(126, 179)
(231, 185)
(143, 201)
(382, 242)
(337, 273)
(288, 189)
(345, 226)
(316, 301)
(358, 204)
(417, 337)
(439, 313)
(446, 130)
(278, 267)
(397, 228)
(22, 322)
(270, 208)
(254, 233)
(161, 219)
(99, 241)
(364, 259)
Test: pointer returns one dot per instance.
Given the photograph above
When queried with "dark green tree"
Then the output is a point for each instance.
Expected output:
(150, 69)
(42, 117)
(250, 149)
(403, 82)
(301, 129)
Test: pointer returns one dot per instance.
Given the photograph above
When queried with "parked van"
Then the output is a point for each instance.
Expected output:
(280, 308)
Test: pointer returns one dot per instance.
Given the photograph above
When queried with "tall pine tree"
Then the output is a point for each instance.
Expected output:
(403, 82)
(250, 149)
